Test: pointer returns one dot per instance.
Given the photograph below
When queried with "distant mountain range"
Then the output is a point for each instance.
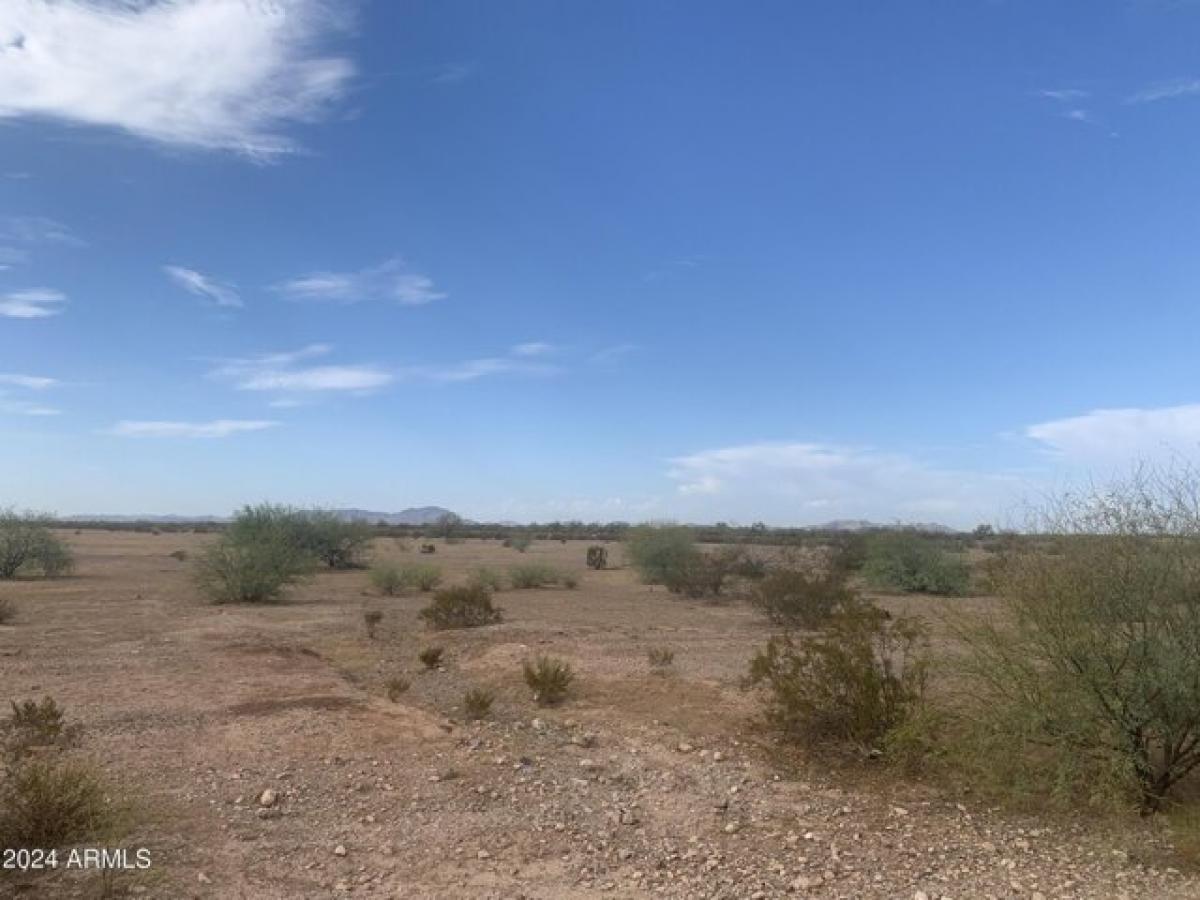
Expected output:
(417, 515)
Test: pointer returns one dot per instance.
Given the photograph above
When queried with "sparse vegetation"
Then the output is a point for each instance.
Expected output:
(28, 547)
(477, 703)
(534, 575)
(36, 725)
(386, 578)
(323, 535)
(51, 801)
(431, 657)
(1093, 674)
(792, 598)
(597, 557)
(428, 548)
(519, 542)
(371, 620)
(549, 679)
(8, 610)
(855, 683)
(465, 606)
(662, 553)
(487, 578)
(391, 579)
(250, 568)
(912, 563)
(422, 576)
(395, 687)
(660, 658)
(180, 555)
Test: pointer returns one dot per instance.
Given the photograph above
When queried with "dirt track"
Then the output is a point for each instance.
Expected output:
(640, 785)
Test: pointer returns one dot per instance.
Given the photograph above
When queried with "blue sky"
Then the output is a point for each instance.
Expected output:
(534, 260)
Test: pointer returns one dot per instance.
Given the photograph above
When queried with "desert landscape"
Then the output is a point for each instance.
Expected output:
(257, 753)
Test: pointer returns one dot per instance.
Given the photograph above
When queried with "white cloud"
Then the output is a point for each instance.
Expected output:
(532, 348)
(204, 286)
(218, 74)
(25, 408)
(474, 369)
(30, 382)
(1078, 115)
(37, 229)
(1167, 90)
(1121, 435)
(454, 73)
(390, 280)
(809, 483)
(32, 303)
(218, 428)
(280, 373)
(1065, 94)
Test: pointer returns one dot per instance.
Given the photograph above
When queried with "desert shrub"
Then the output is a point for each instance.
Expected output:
(660, 657)
(52, 801)
(796, 599)
(477, 703)
(395, 687)
(28, 546)
(371, 620)
(906, 561)
(853, 684)
(707, 574)
(548, 678)
(428, 548)
(180, 555)
(431, 657)
(36, 725)
(448, 525)
(847, 552)
(466, 606)
(386, 578)
(1093, 670)
(255, 568)
(518, 542)
(597, 557)
(8, 610)
(662, 554)
(533, 575)
(487, 578)
(335, 542)
(421, 576)
(570, 582)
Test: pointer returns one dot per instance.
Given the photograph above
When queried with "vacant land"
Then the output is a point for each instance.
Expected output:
(641, 784)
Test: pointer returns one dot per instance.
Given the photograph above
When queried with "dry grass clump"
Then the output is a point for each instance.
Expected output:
(431, 657)
(371, 620)
(397, 578)
(538, 575)
(396, 686)
(660, 658)
(549, 679)
(477, 703)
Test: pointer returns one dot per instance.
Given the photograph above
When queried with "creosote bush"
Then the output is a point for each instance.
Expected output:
(28, 546)
(1093, 671)
(52, 801)
(853, 684)
(391, 578)
(421, 576)
(914, 563)
(35, 725)
(385, 578)
(549, 679)
(796, 599)
(431, 657)
(668, 555)
(464, 606)
(534, 575)
(477, 703)
(487, 578)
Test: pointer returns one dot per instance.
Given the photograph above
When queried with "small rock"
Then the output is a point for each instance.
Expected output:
(268, 798)
(203, 879)
(339, 850)
(483, 854)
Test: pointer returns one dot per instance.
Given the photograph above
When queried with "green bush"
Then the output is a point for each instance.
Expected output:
(387, 579)
(487, 578)
(1092, 673)
(548, 678)
(28, 546)
(53, 801)
(465, 606)
(253, 568)
(391, 578)
(795, 599)
(533, 575)
(854, 684)
(421, 576)
(321, 534)
(911, 563)
(662, 554)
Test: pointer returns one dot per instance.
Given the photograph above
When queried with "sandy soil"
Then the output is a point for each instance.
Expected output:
(641, 784)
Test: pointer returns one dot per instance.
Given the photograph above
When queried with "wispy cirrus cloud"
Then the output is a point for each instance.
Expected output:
(1120, 435)
(38, 230)
(218, 428)
(221, 293)
(14, 389)
(391, 280)
(32, 303)
(286, 374)
(216, 74)
(474, 369)
(1166, 90)
(454, 73)
(1066, 95)
(533, 348)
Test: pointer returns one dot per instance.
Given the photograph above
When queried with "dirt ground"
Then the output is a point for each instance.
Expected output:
(641, 784)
